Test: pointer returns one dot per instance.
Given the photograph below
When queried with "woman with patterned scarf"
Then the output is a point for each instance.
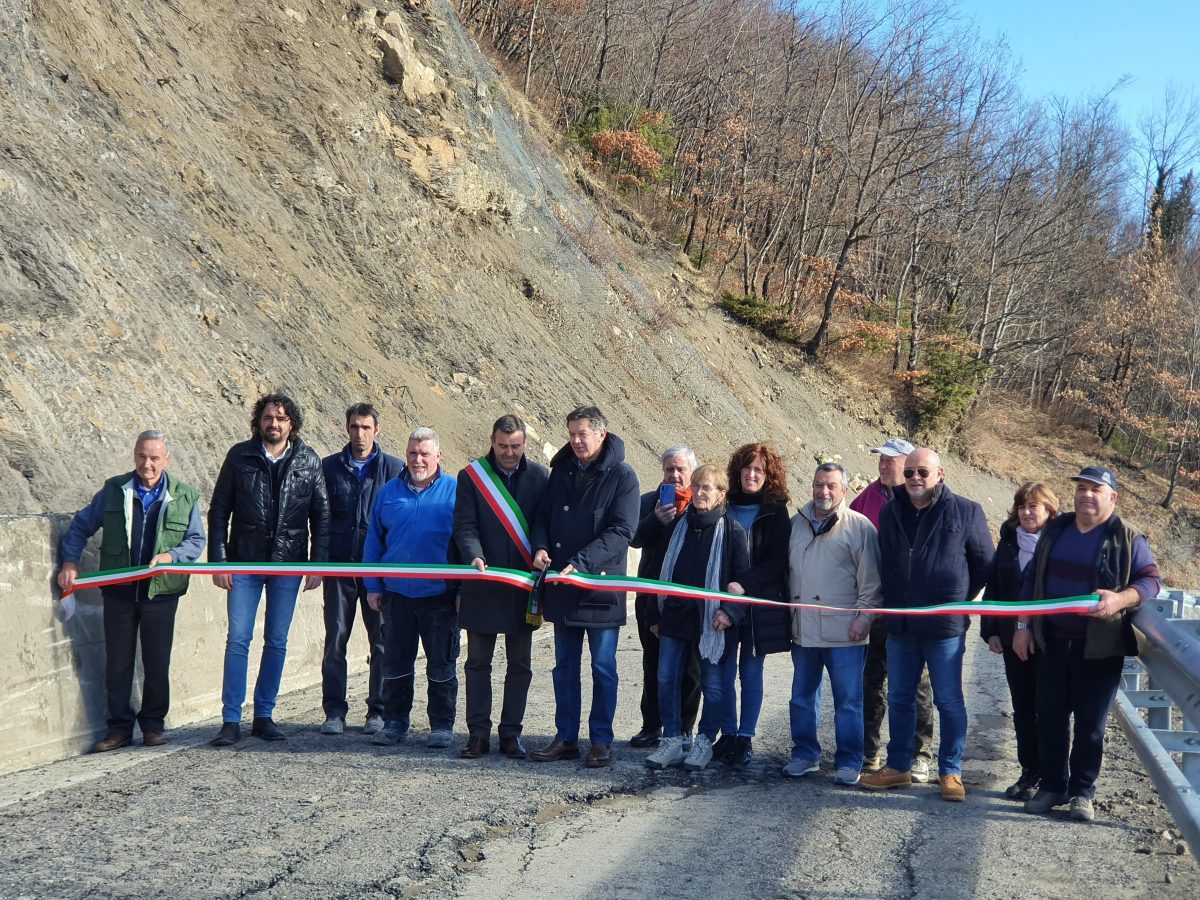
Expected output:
(703, 548)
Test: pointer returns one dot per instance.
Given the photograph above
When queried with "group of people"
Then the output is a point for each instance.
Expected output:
(814, 584)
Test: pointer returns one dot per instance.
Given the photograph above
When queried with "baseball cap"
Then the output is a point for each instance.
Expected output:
(1097, 475)
(894, 447)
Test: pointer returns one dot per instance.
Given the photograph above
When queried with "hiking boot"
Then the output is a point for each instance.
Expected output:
(1082, 810)
(723, 745)
(1024, 787)
(742, 753)
(798, 768)
(333, 725)
(952, 788)
(687, 742)
(701, 755)
(872, 764)
(1044, 801)
(669, 753)
(920, 770)
(886, 778)
(440, 739)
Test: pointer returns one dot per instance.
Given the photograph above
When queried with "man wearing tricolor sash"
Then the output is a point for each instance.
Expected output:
(497, 497)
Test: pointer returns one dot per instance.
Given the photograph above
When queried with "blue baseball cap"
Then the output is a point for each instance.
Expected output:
(1097, 475)
(894, 447)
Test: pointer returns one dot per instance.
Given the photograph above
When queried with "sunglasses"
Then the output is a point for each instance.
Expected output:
(924, 473)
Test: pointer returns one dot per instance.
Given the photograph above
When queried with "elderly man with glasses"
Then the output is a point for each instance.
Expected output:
(934, 548)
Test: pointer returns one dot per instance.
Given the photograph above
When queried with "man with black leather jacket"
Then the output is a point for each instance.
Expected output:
(270, 497)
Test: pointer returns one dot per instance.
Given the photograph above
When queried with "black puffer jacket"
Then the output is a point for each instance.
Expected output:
(266, 528)
(587, 519)
(680, 618)
(1004, 583)
(765, 628)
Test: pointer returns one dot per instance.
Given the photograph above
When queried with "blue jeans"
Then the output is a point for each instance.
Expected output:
(741, 661)
(568, 698)
(944, 657)
(673, 657)
(242, 606)
(845, 665)
(433, 622)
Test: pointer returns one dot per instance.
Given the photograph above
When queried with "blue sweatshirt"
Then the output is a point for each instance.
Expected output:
(409, 526)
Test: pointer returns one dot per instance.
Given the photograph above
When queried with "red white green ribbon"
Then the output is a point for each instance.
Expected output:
(516, 578)
(501, 502)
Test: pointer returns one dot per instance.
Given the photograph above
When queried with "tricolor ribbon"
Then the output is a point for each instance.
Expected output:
(515, 578)
(501, 502)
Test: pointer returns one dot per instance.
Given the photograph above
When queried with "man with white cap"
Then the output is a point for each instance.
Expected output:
(892, 454)
(1088, 551)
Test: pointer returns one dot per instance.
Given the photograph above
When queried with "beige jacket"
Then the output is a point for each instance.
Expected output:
(839, 567)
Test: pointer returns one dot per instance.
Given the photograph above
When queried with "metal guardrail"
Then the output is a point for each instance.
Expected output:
(1169, 661)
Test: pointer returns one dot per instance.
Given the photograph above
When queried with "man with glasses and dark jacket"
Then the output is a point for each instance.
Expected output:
(934, 548)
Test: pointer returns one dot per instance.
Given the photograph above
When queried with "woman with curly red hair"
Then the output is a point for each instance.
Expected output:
(758, 498)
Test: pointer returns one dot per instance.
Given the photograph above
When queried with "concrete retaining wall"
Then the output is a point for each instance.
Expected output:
(52, 673)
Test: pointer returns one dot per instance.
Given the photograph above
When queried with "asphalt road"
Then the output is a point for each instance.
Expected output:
(327, 817)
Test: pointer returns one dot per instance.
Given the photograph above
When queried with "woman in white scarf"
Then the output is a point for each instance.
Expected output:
(1033, 506)
(704, 548)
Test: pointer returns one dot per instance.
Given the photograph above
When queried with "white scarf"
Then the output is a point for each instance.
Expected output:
(712, 641)
(1026, 544)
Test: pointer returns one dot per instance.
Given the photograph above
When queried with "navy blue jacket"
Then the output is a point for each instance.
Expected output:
(587, 519)
(948, 562)
(351, 499)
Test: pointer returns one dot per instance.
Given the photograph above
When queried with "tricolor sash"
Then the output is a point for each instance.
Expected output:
(502, 504)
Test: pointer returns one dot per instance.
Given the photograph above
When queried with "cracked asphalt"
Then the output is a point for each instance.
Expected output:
(325, 817)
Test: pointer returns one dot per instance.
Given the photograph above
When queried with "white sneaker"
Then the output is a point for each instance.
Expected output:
(846, 776)
(798, 768)
(374, 725)
(669, 753)
(440, 740)
(701, 754)
(333, 725)
(920, 770)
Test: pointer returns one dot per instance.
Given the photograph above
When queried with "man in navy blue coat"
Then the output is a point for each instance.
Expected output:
(585, 522)
(353, 478)
(934, 548)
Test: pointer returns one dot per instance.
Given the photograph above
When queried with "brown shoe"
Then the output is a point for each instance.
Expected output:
(111, 742)
(476, 748)
(555, 751)
(952, 788)
(886, 778)
(598, 757)
(512, 748)
(153, 738)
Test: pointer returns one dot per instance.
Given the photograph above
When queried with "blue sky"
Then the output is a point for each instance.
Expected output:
(1075, 48)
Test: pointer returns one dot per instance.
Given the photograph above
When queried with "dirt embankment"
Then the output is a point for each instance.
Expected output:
(204, 201)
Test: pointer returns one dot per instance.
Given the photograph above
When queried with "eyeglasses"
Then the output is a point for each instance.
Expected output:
(924, 473)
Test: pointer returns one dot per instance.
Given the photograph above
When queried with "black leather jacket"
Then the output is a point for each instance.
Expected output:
(266, 528)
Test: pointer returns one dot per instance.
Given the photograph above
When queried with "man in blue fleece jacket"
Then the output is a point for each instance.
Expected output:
(411, 521)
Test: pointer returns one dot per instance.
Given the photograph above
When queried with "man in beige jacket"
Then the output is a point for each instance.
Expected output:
(834, 562)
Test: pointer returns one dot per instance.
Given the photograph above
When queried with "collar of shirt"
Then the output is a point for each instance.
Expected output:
(149, 496)
(408, 479)
(274, 459)
(360, 465)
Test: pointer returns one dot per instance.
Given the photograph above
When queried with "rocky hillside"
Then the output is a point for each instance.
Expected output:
(204, 201)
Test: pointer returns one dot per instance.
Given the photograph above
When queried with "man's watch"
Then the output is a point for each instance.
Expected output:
(1021, 626)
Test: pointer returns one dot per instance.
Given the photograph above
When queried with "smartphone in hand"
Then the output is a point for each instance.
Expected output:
(666, 495)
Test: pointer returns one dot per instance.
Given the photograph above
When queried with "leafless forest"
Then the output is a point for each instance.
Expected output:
(868, 180)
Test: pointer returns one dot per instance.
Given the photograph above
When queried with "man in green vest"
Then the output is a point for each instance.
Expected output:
(147, 519)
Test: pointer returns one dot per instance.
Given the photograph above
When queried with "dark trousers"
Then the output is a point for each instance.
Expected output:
(518, 673)
(689, 694)
(1022, 686)
(1069, 685)
(125, 619)
(343, 597)
(434, 622)
(875, 699)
